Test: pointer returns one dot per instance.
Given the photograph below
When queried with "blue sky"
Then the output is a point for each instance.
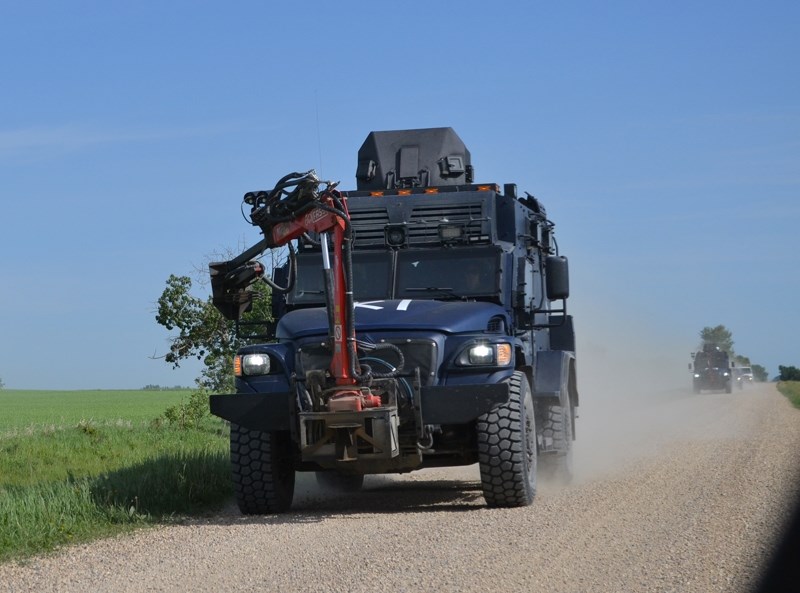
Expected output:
(664, 140)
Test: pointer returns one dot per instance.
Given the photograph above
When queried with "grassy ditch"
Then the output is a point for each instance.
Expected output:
(72, 482)
(791, 389)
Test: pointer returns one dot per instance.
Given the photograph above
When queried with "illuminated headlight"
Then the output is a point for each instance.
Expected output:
(480, 354)
(697, 375)
(251, 364)
(486, 355)
(726, 374)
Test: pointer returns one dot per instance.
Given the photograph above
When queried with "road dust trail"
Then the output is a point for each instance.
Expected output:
(674, 492)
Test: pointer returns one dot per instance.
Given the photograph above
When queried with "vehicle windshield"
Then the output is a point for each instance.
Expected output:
(470, 272)
(711, 360)
(371, 277)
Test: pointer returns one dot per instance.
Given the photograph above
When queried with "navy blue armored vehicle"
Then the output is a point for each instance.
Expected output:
(421, 322)
(712, 370)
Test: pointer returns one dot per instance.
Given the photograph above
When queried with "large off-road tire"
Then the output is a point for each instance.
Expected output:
(347, 483)
(507, 448)
(556, 426)
(262, 470)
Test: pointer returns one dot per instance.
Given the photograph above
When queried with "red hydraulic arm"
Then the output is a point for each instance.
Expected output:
(295, 207)
(322, 220)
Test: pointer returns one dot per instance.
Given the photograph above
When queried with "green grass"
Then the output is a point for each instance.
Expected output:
(64, 481)
(22, 409)
(791, 389)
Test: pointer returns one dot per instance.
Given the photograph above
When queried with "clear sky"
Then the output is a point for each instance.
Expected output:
(663, 138)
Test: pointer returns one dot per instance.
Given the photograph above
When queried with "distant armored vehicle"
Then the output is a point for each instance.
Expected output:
(712, 370)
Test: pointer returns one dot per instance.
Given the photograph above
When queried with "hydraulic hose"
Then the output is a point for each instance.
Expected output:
(292, 274)
(280, 205)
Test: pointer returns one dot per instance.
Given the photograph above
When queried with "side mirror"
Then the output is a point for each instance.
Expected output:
(557, 283)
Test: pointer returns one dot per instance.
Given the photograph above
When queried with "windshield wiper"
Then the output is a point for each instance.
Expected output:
(443, 290)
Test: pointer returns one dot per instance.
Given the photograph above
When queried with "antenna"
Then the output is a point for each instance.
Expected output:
(319, 138)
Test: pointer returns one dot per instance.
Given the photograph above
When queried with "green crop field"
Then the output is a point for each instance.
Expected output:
(77, 465)
(23, 409)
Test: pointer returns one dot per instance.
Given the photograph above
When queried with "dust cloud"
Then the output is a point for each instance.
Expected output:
(636, 399)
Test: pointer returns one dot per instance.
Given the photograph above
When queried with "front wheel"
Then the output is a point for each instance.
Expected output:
(507, 448)
(262, 470)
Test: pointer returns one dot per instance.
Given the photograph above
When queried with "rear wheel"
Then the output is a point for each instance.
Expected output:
(507, 448)
(262, 470)
(557, 427)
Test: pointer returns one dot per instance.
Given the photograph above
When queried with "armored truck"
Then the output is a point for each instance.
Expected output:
(712, 370)
(421, 322)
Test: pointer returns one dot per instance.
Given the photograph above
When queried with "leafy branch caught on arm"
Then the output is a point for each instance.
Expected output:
(203, 332)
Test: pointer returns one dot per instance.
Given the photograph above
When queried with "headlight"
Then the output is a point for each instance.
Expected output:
(486, 355)
(251, 364)
(726, 374)
(697, 375)
(480, 354)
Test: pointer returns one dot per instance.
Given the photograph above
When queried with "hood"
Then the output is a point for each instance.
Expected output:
(452, 317)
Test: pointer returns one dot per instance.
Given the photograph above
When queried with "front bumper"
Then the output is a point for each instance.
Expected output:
(447, 404)
(255, 411)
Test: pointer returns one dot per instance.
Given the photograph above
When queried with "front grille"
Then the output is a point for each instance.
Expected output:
(368, 225)
(416, 352)
(421, 217)
(425, 220)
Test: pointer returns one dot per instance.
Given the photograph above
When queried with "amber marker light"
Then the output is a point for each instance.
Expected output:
(503, 354)
(237, 366)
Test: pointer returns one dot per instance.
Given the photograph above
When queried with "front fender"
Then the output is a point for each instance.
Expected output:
(551, 376)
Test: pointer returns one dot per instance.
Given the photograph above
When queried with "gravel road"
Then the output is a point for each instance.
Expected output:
(674, 492)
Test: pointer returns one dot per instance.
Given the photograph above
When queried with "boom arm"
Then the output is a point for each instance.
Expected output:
(323, 220)
(283, 220)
